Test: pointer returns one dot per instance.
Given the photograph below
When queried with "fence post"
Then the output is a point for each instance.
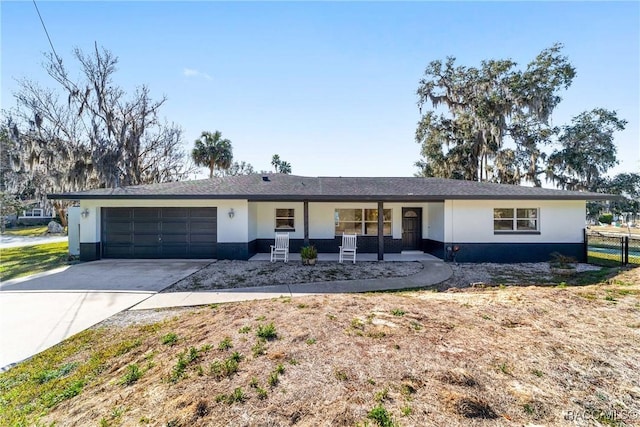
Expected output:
(626, 250)
(585, 247)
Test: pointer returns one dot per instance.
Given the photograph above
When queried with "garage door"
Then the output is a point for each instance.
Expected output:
(159, 232)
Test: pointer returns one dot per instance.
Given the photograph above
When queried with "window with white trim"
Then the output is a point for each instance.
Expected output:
(516, 220)
(361, 221)
(285, 219)
(35, 212)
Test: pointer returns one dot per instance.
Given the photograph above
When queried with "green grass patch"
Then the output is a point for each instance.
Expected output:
(31, 389)
(604, 259)
(593, 277)
(30, 231)
(26, 260)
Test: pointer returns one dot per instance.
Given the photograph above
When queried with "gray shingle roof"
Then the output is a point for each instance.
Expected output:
(293, 187)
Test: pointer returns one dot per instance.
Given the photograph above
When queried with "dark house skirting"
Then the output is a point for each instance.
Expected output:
(90, 251)
(513, 252)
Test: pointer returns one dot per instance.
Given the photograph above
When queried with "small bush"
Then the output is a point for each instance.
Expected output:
(225, 368)
(225, 344)
(398, 312)
(381, 416)
(382, 395)
(262, 393)
(308, 252)
(170, 339)
(253, 383)
(357, 324)
(606, 218)
(259, 348)
(267, 332)
(184, 359)
(273, 379)
(561, 261)
(237, 396)
(133, 374)
(245, 329)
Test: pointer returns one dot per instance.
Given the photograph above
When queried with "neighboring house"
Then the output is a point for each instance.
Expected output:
(235, 217)
(33, 215)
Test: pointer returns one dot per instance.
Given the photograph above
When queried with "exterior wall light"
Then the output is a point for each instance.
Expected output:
(231, 213)
(85, 213)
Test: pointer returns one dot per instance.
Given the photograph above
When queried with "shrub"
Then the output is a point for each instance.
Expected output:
(170, 339)
(267, 332)
(308, 252)
(133, 374)
(225, 344)
(381, 416)
(606, 218)
(559, 260)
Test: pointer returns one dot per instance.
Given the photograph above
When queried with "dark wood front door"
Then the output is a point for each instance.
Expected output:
(411, 229)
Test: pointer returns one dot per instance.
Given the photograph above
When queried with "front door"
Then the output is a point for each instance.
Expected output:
(411, 229)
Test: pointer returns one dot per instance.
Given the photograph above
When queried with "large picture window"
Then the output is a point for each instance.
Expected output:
(285, 219)
(516, 219)
(361, 221)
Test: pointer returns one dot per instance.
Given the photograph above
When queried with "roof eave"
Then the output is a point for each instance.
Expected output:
(327, 198)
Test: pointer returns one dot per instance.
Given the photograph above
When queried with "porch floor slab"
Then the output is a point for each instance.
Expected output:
(361, 257)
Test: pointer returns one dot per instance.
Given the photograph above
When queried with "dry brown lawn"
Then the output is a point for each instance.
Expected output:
(616, 230)
(475, 357)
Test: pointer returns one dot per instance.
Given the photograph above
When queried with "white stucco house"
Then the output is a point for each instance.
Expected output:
(236, 217)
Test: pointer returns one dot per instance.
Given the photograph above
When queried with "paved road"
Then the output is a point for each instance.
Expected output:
(40, 312)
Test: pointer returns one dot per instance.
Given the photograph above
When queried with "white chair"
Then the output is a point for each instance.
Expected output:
(348, 248)
(281, 247)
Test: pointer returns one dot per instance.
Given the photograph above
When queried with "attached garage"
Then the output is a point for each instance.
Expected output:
(146, 232)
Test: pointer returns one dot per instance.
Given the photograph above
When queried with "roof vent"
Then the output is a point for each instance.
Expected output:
(266, 179)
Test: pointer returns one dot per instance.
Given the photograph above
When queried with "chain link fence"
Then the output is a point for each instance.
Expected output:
(612, 249)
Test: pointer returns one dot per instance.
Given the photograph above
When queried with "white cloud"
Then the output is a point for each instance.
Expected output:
(190, 72)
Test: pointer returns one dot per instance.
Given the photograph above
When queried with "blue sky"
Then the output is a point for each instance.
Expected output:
(329, 86)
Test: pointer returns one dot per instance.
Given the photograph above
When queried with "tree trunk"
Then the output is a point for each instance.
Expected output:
(61, 209)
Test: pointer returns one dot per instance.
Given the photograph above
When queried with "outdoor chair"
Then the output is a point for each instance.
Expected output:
(348, 248)
(281, 247)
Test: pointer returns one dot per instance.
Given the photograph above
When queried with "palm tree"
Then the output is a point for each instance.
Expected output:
(212, 151)
(280, 166)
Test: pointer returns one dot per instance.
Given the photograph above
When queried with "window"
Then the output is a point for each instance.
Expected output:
(35, 212)
(515, 219)
(285, 219)
(361, 221)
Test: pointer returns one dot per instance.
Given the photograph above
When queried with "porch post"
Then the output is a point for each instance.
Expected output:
(306, 223)
(380, 231)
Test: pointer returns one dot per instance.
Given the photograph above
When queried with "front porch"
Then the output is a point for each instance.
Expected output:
(361, 257)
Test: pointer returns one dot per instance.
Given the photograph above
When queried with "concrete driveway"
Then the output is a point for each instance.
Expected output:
(41, 311)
